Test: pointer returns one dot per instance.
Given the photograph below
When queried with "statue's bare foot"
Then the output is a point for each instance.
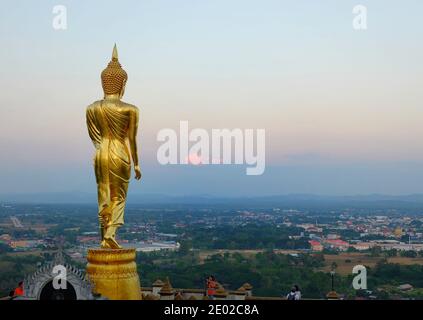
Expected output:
(109, 238)
(112, 243)
(105, 245)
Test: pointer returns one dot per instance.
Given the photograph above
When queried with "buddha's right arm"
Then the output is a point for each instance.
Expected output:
(93, 131)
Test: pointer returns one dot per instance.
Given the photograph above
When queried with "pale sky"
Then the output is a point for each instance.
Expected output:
(342, 108)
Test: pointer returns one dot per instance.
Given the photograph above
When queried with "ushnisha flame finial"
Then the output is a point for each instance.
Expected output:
(115, 55)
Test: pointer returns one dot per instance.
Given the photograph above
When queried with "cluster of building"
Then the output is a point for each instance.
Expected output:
(387, 233)
(18, 244)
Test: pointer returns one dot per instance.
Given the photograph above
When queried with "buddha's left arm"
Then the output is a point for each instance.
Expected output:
(132, 135)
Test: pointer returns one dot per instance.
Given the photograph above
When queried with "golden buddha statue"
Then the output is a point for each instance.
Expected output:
(112, 126)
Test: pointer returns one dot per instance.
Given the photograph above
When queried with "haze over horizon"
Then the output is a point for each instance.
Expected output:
(342, 109)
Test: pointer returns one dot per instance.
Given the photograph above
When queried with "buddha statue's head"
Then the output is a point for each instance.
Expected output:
(113, 78)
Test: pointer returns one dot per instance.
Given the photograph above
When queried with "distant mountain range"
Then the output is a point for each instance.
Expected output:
(413, 201)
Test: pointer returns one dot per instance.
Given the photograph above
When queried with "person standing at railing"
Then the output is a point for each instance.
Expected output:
(19, 291)
(211, 287)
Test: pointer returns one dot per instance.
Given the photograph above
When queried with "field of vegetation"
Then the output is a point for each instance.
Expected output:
(344, 262)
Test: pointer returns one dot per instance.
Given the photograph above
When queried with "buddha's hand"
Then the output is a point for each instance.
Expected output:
(137, 172)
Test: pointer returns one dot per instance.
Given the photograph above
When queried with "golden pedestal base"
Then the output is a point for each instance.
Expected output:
(113, 272)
